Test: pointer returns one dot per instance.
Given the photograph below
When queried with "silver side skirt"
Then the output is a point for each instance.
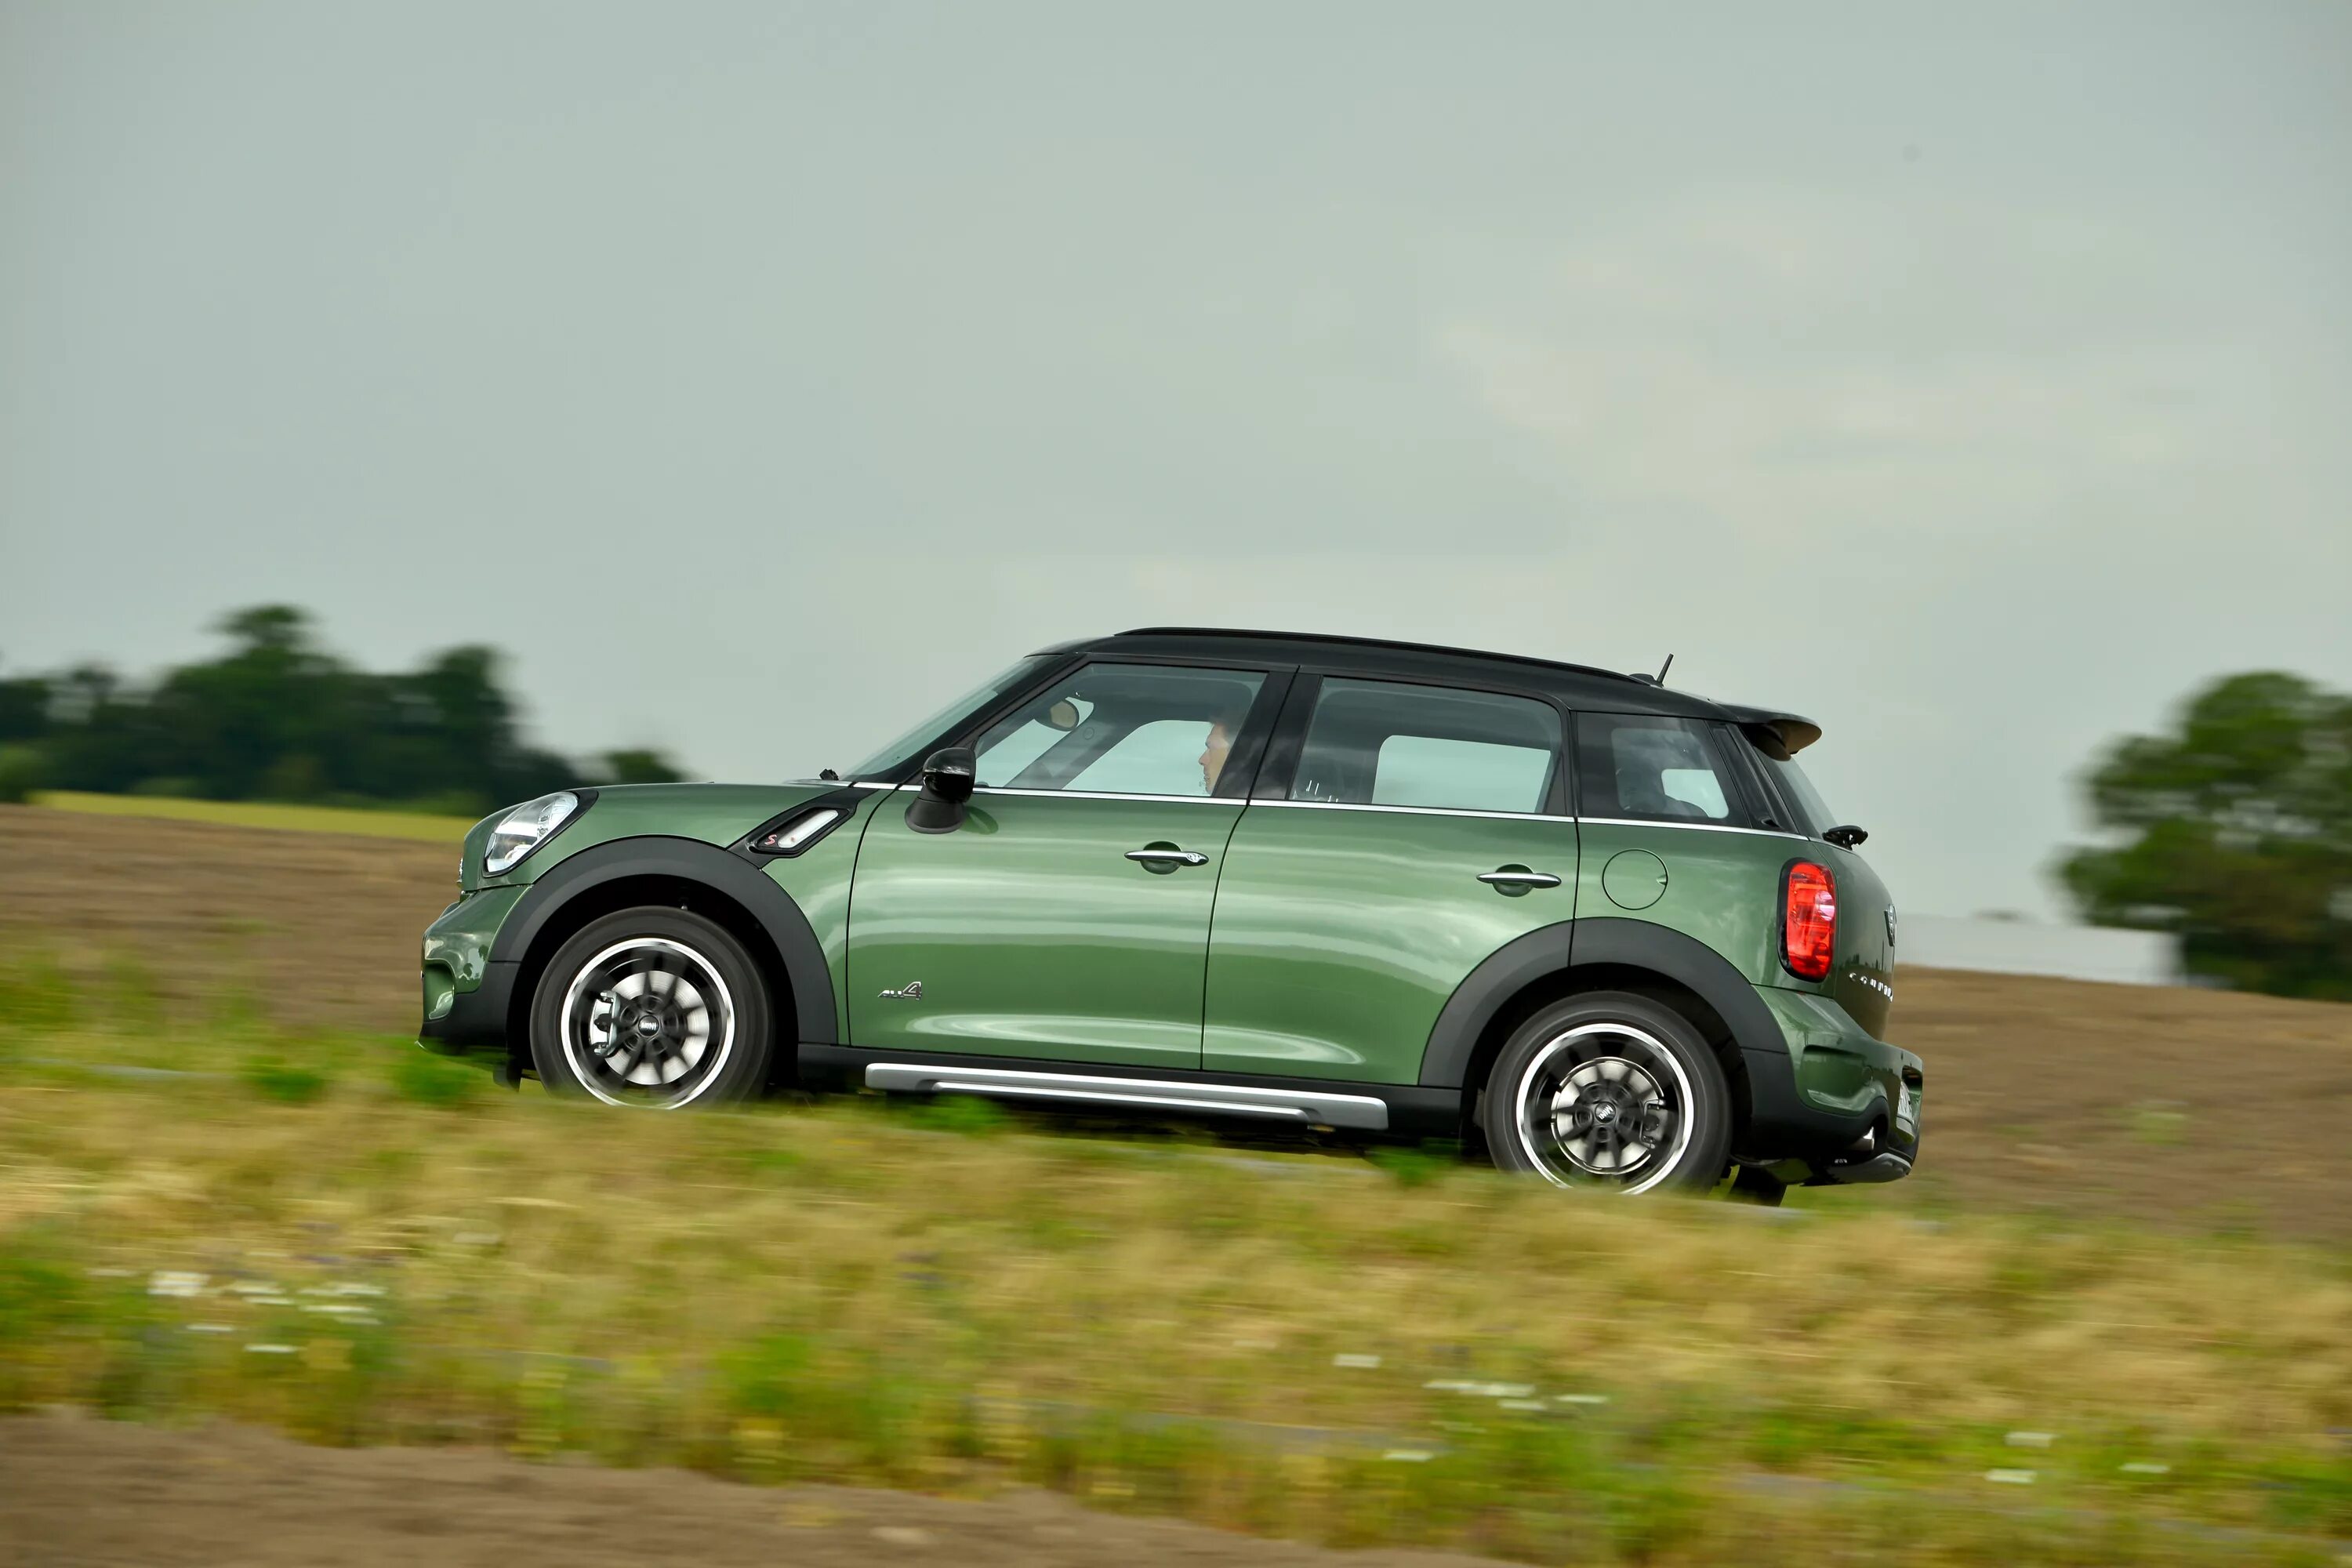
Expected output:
(1305, 1105)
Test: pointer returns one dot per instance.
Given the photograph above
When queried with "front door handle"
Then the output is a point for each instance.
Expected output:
(1519, 877)
(1176, 858)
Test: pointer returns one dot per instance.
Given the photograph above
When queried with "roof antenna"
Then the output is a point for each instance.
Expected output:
(1659, 678)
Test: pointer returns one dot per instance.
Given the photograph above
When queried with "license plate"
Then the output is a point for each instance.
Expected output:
(1907, 1115)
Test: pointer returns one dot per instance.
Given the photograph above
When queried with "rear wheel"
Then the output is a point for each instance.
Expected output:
(655, 1008)
(1609, 1090)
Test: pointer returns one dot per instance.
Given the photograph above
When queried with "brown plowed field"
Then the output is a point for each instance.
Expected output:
(2166, 1105)
(320, 929)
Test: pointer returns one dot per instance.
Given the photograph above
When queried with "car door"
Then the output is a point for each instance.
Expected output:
(1067, 918)
(1422, 827)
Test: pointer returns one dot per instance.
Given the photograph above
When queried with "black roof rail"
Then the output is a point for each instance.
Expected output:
(1379, 642)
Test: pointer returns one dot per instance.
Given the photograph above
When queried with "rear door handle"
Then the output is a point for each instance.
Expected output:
(1177, 858)
(1520, 878)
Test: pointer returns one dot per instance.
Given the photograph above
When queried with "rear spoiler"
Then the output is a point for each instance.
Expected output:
(1777, 735)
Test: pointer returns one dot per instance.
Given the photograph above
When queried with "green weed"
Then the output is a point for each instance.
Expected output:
(963, 1114)
(2161, 1124)
(284, 1082)
(423, 1079)
(44, 998)
(1418, 1166)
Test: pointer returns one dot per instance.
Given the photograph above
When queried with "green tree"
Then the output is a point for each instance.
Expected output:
(638, 765)
(24, 709)
(2235, 832)
(277, 717)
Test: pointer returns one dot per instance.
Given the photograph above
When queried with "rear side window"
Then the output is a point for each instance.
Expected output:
(1653, 769)
(1380, 743)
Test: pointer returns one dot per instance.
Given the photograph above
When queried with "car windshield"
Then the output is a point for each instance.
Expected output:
(1801, 793)
(902, 750)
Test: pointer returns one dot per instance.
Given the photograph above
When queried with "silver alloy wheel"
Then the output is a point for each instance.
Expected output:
(1604, 1104)
(647, 1022)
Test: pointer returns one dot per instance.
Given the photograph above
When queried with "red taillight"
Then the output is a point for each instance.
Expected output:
(1808, 920)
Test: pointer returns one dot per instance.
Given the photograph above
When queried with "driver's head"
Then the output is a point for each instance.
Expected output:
(1212, 755)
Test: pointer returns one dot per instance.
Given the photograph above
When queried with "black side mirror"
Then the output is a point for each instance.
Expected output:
(1844, 837)
(947, 786)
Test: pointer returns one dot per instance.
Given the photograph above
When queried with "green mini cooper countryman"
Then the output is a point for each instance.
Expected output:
(1604, 927)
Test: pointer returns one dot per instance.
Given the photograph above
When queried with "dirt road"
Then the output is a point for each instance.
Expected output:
(76, 1490)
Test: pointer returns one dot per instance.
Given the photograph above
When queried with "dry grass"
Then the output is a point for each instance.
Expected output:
(1089, 1265)
(847, 1294)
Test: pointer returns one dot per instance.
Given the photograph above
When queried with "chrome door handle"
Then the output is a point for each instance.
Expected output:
(1176, 858)
(1520, 878)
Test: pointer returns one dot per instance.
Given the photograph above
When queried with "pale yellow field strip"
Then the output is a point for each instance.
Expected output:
(264, 814)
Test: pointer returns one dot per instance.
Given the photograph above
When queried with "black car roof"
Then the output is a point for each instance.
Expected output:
(1577, 685)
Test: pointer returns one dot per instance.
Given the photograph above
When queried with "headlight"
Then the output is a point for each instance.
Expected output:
(524, 829)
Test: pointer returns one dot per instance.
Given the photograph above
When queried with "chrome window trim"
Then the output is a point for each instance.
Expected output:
(1691, 826)
(1110, 794)
(1415, 810)
(1234, 801)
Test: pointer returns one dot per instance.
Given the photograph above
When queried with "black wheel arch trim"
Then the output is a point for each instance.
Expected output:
(1585, 944)
(687, 860)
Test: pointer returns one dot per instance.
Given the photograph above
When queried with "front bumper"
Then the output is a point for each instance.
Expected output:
(467, 993)
(1836, 1106)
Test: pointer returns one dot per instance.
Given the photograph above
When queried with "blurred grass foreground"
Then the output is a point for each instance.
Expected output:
(344, 1238)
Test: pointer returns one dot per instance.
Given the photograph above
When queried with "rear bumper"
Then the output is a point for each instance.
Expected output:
(1833, 1105)
(1877, 1168)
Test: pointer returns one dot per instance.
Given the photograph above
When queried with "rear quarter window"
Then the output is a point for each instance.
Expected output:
(1811, 812)
(1649, 768)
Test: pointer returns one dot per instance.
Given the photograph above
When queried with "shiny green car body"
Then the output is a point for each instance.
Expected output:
(1344, 917)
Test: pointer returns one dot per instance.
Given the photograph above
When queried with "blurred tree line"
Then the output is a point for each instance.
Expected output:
(2235, 833)
(279, 717)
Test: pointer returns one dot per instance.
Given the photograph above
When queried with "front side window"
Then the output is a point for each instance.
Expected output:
(913, 741)
(1652, 768)
(1123, 729)
(1380, 743)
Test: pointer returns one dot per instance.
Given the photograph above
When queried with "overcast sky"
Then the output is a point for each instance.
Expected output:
(1975, 379)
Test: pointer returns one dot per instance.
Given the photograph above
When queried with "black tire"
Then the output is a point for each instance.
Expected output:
(616, 1013)
(1609, 1090)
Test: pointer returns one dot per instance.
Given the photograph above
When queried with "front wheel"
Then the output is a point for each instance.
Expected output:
(650, 1007)
(1609, 1090)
